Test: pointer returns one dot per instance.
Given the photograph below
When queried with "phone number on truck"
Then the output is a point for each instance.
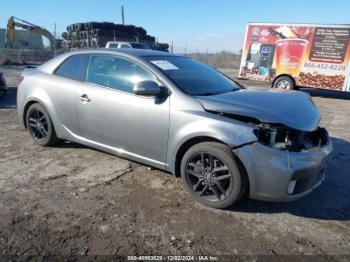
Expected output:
(325, 66)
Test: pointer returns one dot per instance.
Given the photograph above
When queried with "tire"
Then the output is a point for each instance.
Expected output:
(93, 25)
(108, 25)
(232, 179)
(141, 31)
(79, 26)
(65, 36)
(2, 92)
(70, 28)
(284, 82)
(44, 133)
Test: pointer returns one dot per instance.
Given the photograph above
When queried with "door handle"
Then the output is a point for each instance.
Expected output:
(84, 98)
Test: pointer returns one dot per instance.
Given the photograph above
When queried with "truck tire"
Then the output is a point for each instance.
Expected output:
(284, 82)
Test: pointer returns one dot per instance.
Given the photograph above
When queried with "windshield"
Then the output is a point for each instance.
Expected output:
(139, 46)
(193, 77)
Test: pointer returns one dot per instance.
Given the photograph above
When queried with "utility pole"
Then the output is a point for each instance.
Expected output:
(123, 21)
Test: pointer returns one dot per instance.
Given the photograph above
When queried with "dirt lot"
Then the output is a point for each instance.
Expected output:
(72, 199)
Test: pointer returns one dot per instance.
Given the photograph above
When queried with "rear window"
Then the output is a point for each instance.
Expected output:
(74, 67)
(113, 46)
(140, 46)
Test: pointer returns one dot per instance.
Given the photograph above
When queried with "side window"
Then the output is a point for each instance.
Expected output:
(115, 72)
(74, 67)
(124, 46)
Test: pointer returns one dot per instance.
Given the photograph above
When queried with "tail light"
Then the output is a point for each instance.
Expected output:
(21, 78)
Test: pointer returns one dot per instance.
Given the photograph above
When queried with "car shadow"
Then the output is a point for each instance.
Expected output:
(71, 145)
(330, 201)
(8, 101)
(326, 93)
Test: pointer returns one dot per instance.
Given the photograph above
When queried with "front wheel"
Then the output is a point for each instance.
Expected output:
(284, 82)
(212, 174)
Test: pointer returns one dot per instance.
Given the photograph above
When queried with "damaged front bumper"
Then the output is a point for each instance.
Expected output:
(283, 175)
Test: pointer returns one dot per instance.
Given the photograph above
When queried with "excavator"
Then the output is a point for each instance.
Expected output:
(14, 22)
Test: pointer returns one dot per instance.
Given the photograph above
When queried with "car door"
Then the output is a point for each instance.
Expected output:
(64, 83)
(110, 114)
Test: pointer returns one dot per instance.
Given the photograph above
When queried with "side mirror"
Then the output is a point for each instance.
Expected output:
(146, 88)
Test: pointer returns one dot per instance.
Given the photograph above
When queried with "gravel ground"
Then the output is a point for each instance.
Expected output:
(74, 200)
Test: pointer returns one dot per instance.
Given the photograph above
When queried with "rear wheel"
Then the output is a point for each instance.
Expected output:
(40, 126)
(212, 175)
(284, 82)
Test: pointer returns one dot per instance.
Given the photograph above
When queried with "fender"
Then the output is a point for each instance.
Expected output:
(46, 102)
(214, 128)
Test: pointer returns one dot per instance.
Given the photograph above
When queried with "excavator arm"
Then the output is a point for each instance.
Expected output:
(12, 24)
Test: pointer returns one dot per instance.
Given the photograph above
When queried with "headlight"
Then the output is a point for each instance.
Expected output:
(290, 139)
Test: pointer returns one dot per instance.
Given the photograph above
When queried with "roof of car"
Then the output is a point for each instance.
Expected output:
(52, 64)
(123, 42)
(131, 51)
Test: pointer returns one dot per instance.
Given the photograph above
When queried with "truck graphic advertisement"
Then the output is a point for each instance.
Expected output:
(303, 55)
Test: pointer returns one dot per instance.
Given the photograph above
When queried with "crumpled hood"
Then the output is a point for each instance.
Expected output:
(290, 108)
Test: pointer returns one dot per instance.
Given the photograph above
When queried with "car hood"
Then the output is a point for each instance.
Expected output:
(293, 109)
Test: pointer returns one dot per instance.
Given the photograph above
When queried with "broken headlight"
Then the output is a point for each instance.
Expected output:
(290, 139)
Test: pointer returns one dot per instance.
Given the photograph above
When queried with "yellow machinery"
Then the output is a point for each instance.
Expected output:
(14, 22)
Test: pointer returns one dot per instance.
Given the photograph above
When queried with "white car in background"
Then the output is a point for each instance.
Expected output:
(135, 45)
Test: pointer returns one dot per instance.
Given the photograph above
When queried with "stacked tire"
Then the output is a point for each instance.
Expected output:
(2, 85)
(96, 35)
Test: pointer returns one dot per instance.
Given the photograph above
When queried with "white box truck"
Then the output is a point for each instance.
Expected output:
(293, 55)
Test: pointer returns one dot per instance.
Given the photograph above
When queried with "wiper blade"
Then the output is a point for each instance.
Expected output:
(207, 94)
(216, 93)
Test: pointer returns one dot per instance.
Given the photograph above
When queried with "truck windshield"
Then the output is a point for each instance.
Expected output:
(193, 77)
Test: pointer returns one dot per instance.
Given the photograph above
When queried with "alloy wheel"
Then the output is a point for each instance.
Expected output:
(37, 124)
(208, 177)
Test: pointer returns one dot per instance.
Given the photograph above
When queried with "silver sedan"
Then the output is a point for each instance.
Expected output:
(179, 115)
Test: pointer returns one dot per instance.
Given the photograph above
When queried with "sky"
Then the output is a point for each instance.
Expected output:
(199, 25)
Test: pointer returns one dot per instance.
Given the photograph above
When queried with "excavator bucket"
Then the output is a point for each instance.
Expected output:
(10, 33)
